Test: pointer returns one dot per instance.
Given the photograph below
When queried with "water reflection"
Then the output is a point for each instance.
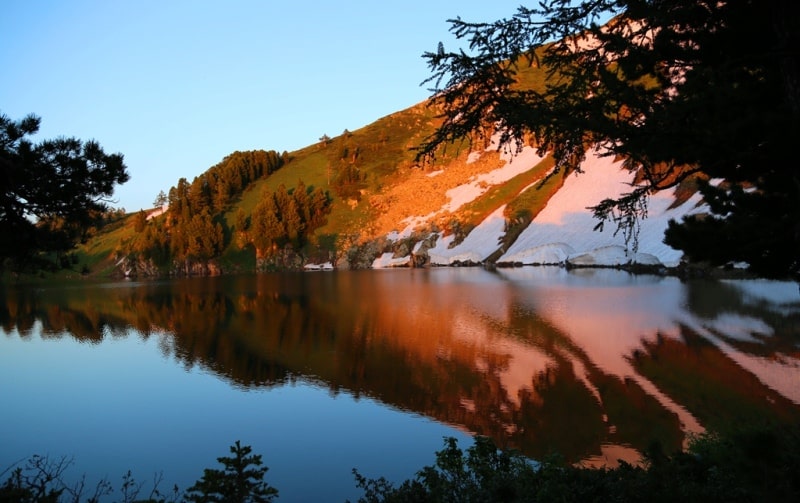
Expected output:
(593, 364)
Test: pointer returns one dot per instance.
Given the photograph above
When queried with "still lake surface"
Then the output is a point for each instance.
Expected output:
(328, 371)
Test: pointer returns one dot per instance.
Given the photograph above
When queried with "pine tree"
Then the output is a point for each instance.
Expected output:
(140, 221)
(50, 192)
(240, 481)
(680, 90)
(160, 200)
(268, 231)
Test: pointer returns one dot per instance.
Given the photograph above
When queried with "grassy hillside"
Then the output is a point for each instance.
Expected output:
(384, 189)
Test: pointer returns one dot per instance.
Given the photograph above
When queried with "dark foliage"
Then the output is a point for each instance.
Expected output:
(284, 217)
(194, 230)
(349, 182)
(755, 463)
(687, 88)
(750, 464)
(241, 481)
(51, 193)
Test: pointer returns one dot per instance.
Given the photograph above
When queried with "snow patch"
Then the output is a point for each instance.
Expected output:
(566, 220)
(612, 256)
(476, 247)
(563, 232)
(157, 212)
(549, 254)
(327, 266)
(468, 192)
(388, 260)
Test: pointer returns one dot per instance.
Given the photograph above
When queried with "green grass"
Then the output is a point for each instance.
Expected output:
(386, 148)
(512, 193)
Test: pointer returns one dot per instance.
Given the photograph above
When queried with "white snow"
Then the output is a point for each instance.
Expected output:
(157, 212)
(479, 184)
(549, 254)
(567, 221)
(611, 256)
(327, 266)
(388, 260)
(605, 255)
(477, 246)
(563, 232)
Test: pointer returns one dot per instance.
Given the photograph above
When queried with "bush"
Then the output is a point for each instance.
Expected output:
(242, 480)
(749, 464)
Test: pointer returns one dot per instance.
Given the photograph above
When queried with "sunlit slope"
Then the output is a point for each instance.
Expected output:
(472, 203)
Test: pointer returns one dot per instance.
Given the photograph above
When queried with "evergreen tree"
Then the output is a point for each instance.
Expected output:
(222, 194)
(349, 181)
(191, 234)
(319, 203)
(293, 223)
(281, 197)
(178, 201)
(300, 195)
(204, 238)
(140, 221)
(268, 230)
(242, 223)
(160, 200)
(51, 192)
(681, 90)
(240, 481)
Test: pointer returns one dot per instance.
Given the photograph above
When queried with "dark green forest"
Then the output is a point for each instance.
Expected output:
(194, 229)
(690, 94)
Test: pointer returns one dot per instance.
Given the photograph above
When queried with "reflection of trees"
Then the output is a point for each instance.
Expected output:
(386, 338)
(62, 315)
(710, 300)
(714, 388)
(565, 413)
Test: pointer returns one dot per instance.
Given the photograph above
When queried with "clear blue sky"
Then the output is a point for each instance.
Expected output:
(177, 85)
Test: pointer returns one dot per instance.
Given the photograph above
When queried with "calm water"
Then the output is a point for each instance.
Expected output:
(324, 372)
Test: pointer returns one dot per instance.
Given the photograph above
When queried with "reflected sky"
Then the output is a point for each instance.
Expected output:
(324, 372)
(121, 405)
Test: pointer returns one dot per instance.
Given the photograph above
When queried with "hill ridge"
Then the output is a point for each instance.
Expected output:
(385, 209)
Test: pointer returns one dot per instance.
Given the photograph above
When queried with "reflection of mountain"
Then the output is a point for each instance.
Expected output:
(539, 359)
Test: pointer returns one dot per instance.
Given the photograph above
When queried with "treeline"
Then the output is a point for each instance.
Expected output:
(284, 217)
(349, 179)
(215, 189)
(194, 229)
(744, 464)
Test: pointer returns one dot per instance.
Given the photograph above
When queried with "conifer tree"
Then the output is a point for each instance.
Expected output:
(140, 221)
(160, 200)
(240, 481)
(683, 90)
(51, 192)
(300, 195)
(267, 228)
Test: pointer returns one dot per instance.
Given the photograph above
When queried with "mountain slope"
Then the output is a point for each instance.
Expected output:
(562, 228)
(473, 204)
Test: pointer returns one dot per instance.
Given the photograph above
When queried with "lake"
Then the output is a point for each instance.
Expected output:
(327, 371)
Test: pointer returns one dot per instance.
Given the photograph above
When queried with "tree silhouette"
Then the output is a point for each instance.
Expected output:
(241, 480)
(51, 192)
(682, 91)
